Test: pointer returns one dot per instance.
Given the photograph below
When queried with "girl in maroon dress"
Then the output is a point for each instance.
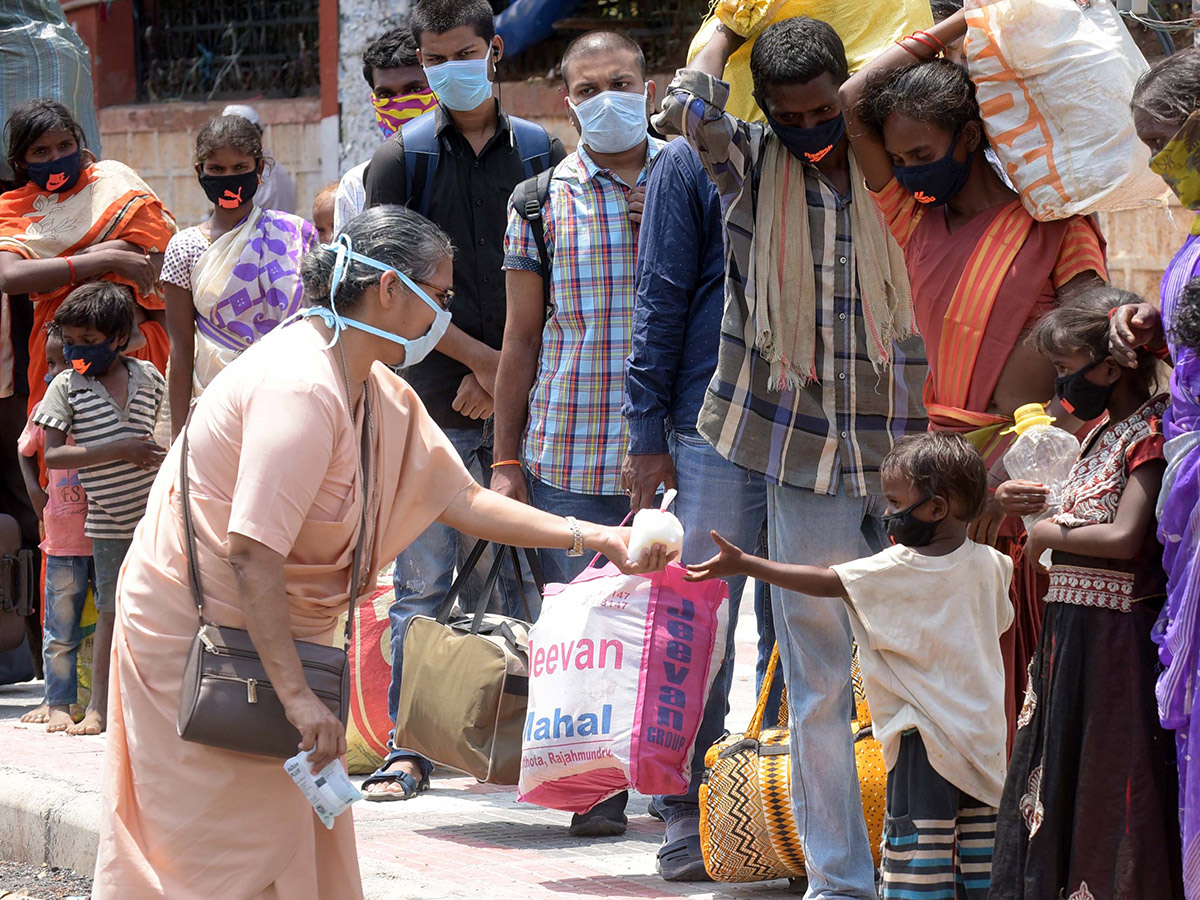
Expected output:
(1088, 811)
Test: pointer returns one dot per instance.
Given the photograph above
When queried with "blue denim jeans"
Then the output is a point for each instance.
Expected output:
(714, 494)
(67, 580)
(814, 647)
(108, 555)
(425, 570)
(602, 509)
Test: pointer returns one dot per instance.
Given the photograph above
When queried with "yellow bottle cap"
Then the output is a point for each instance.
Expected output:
(1027, 416)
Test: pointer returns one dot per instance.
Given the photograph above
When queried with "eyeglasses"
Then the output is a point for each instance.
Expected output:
(443, 296)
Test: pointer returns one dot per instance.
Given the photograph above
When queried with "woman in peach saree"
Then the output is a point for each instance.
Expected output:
(277, 491)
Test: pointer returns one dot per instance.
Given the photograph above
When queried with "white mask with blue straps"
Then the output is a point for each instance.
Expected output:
(415, 349)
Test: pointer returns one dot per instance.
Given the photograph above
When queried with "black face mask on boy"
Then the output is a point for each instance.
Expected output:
(905, 528)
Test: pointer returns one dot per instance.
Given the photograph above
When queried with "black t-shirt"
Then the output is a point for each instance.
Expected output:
(469, 201)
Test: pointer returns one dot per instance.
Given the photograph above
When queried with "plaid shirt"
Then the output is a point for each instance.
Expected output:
(576, 436)
(838, 428)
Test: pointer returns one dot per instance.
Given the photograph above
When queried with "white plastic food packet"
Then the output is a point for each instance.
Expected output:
(656, 526)
(330, 791)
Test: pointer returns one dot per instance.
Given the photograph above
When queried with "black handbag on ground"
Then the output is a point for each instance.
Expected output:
(227, 699)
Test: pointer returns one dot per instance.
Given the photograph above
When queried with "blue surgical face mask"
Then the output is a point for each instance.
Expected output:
(415, 349)
(936, 183)
(611, 122)
(461, 84)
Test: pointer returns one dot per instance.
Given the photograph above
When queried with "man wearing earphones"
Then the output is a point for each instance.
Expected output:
(457, 166)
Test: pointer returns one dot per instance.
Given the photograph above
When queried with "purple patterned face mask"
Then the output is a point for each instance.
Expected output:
(392, 112)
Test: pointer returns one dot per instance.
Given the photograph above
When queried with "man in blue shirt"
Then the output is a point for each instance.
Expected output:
(676, 331)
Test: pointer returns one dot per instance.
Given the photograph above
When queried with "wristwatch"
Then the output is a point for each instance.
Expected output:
(577, 534)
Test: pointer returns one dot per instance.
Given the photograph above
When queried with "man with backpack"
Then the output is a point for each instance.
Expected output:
(457, 166)
(570, 256)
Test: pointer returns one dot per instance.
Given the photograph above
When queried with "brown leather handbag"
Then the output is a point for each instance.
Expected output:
(226, 699)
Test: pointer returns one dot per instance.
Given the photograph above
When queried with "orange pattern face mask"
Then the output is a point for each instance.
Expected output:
(392, 112)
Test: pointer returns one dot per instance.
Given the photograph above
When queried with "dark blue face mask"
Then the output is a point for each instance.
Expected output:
(90, 359)
(935, 183)
(810, 144)
(58, 175)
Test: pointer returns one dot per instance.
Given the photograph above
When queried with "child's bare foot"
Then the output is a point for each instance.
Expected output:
(39, 716)
(60, 719)
(92, 723)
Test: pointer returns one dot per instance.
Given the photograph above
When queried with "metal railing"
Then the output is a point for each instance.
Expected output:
(224, 49)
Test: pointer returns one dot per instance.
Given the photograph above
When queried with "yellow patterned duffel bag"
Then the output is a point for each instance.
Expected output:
(747, 828)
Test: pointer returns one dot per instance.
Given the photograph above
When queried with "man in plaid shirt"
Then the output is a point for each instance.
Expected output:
(560, 384)
(818, 427)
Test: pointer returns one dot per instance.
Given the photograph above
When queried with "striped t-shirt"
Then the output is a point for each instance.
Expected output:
(80, 406)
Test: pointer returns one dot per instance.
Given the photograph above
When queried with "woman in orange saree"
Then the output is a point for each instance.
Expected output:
(983, 272)
(72, 219)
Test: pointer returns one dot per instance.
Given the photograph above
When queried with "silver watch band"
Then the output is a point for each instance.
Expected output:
(577, 534)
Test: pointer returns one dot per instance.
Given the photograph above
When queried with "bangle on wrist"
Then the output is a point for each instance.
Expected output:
(934, 37)
(907, 49)
(70, 269)
(924, 42)
(1163, 352)
(506, 462)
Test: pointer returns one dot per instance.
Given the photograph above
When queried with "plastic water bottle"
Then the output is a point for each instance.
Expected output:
(1043, 454)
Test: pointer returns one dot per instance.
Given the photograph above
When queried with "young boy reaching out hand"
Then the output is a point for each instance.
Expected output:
(927, 614)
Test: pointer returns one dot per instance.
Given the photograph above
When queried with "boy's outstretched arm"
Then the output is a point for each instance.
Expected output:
(816, 581)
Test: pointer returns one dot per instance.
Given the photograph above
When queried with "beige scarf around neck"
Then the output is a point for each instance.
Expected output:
(783, 299)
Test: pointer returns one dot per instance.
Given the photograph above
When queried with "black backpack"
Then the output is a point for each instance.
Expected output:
(422, 149)
(528, 199)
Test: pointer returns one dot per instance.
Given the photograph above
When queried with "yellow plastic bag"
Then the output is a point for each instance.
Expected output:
(867, 29)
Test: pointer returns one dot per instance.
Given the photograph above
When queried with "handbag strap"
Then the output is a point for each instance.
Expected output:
(862, 714)
(485, 596)
(754, 729)
(189, 527)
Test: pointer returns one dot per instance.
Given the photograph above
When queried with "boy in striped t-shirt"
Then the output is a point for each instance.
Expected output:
(109, 404)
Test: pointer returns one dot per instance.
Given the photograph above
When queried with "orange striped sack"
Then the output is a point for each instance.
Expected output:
(747, 828)
(1054, 78)
(370, 663)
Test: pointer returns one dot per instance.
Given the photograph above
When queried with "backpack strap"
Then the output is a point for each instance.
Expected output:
(528, 200)
(422, 148)
(533, 143)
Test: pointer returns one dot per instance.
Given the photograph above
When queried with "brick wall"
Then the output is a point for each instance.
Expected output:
(1140, 244)
(158, 141)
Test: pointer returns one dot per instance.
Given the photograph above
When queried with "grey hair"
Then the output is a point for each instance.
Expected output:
(1170, 91)
(393, 235)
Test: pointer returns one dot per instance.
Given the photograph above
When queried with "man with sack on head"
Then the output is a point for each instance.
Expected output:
(818, 375)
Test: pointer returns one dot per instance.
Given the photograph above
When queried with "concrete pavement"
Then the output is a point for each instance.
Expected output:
(460, 840)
